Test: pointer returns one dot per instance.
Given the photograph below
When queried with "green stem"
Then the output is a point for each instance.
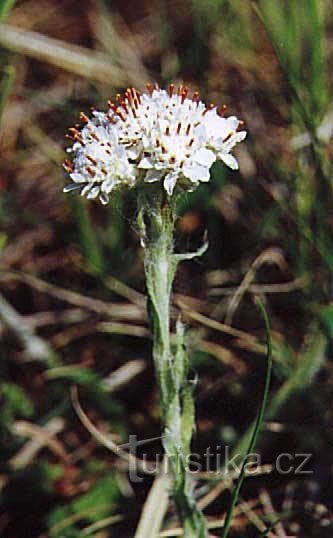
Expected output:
(156, 223)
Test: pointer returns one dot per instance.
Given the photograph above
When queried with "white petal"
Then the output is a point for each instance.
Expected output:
(235, 139)
(196, 172)
(86, 189)
(229, 160)
(145, 163)
(108, 185)
(93, 193)
(77, 178)
(204, 156)
(169, 183)
(152, 175)
(71, 187)
(133, 152)
(104, 198)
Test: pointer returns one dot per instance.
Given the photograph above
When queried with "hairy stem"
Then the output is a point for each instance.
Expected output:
(156, 223)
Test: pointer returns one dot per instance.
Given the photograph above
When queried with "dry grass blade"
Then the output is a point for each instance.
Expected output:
(95, 305)
(212, 495)
(155, 506)
(40, 438)
(105, 440)
(78, 60)
(102, 524)
(271, 255)
(34, 347)
(248, 340)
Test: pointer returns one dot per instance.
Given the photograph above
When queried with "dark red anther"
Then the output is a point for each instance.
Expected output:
(92, 160)
(195, 96)
(149, 88)
(73, 130)
(191, 142)
(222, 110)
(68, 166)
(84, 117)
(179, 126)
(241, 125)
(94, 136)
(90, 171)
(111, 118)
(188, 128)
(184, 94)
(209, 107)
(124, 106)
(171, 88)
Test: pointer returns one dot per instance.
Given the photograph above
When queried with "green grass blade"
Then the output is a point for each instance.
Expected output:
(88, 239)
(314, 14)
(258, 424)
(5, 86)
(308, 364)
(269, 528)
(5, 7)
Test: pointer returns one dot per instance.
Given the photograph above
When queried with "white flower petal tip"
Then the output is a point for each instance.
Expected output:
(71, 187)
(166, 136)
(229, 160)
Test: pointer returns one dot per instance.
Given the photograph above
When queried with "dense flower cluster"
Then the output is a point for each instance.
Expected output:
(159, 135)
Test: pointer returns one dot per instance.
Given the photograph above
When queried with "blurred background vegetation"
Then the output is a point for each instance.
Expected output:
(72, 301)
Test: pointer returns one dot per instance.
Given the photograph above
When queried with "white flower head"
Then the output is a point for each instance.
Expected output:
(161, 135)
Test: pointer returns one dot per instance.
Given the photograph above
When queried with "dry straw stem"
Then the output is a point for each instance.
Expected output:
(105, 440)
(35, 348)
(40, 437)
(78, 60)
(113, 310)
(156, 505)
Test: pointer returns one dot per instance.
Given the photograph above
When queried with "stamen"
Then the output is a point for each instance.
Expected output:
(179, 126)
(90, 171)
(84, 117)
(191, 142)
(68, 166)
(92, 160)
(111, 118)
(156, 86)
(241, 125)
(184, 94)
(195, 96)
(167, 130)
(171, 88)
(149, 88)
(228, 136)
(188, 128)
(123, 104)
(209, 107)
(94, 136)
(74, 131)
(222, 110)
